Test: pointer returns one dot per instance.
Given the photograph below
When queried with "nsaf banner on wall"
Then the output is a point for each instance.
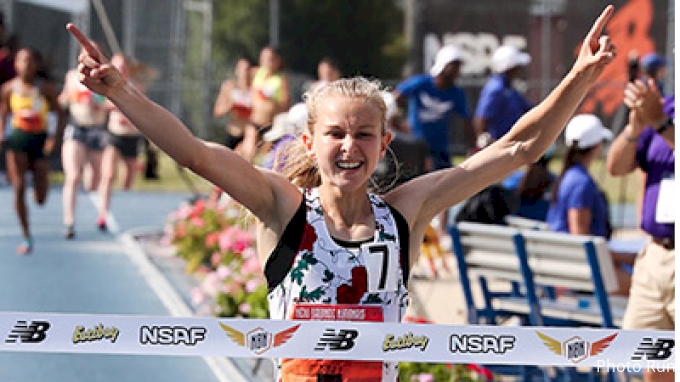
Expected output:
(156, 335)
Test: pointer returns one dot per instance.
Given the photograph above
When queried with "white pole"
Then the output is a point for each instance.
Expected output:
(106, 25)
(274, 15)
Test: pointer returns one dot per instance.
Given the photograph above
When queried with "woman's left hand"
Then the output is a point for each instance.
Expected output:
(597, 50)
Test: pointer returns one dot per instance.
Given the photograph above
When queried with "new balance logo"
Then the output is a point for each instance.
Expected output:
(654, 351)
(24, 332)
(342, 340)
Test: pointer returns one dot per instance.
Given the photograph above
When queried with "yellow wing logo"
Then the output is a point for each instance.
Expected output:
(599, 346)
(234, 334)
(554, 345)
(283, 336)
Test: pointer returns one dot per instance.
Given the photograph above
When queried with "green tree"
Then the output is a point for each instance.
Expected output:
(364, 36)
(240, 29)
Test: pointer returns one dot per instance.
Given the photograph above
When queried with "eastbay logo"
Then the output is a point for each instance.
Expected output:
(98, 333)
(406, 341)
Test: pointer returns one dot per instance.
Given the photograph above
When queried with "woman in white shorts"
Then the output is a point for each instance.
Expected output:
(84, 141)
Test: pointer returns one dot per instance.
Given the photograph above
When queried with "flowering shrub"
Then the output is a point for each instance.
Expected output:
(218, 244)
(426, 372)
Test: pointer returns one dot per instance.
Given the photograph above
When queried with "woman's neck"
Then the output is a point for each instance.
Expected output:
(345, 210)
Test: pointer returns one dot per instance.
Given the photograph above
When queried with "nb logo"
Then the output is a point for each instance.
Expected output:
(342, 340)
(654, 351)
(28, 333)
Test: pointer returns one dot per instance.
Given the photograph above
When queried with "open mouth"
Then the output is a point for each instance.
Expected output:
(349, 165)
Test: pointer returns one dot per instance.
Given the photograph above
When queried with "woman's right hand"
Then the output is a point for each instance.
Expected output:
(94, 70)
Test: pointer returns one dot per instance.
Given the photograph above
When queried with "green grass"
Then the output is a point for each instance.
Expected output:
(618, 189)
(169, 180)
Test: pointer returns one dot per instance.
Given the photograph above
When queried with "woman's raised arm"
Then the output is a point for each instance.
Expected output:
(528, 139)
(226, 169)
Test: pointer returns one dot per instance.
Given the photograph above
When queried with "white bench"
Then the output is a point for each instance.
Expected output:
(540, 262)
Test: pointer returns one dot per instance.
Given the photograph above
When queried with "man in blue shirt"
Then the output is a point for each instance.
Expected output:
(500, 105)
(432, 100)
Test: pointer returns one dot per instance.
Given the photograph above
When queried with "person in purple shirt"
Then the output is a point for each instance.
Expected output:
(432, 101)
(500, 105)
(648, 143)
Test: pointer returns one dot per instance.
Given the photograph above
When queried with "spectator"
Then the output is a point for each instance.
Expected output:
(432, 99)
(578, 206)
(648, 143)
(407, 157)
(500, 104)
(532, 186)
(287, 128)
(653, 66)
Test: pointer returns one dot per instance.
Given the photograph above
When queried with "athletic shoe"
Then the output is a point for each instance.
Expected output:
(25, 247)
(69, 232)
(101, 224)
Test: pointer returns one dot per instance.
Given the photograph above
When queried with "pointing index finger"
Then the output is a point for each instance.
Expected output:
(598, 26)
(84, 42)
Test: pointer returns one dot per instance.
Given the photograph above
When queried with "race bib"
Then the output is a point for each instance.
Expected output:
(382, 264)
(665, 204)
(337, 312)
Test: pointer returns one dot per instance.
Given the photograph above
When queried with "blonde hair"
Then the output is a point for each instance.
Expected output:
(293, 161)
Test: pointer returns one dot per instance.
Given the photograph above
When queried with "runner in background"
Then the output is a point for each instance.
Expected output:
(84, 141)
(327, 71)
(235, 101)
(271, 96)
(123, 143)
(322, 238)
(29, 97)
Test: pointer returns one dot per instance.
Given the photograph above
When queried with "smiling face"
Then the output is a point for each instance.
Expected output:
(347, 140)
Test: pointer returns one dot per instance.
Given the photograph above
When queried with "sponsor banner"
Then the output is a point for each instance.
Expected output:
(350, 340)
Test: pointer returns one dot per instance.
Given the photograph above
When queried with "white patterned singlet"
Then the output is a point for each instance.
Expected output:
(325, 273)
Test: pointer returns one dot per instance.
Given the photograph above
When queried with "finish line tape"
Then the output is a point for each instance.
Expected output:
(196, 336)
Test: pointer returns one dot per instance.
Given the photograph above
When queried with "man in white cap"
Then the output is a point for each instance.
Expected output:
(500, 105)
(432, 99)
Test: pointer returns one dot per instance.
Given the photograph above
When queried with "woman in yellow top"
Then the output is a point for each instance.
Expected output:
(29, 99)
(270, 97)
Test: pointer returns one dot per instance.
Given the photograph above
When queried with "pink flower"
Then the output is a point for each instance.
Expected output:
(223, 272)
(244, 308)
(252, 285)
(211, 284)
(211, 239)
(197, 296)
(183, 211)
(229, 288)
(226, 241)
(216, 259)
(239, 245)
(251, 265)
(425, 377)
(198, 208)
(197, 222)
(249, 252)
